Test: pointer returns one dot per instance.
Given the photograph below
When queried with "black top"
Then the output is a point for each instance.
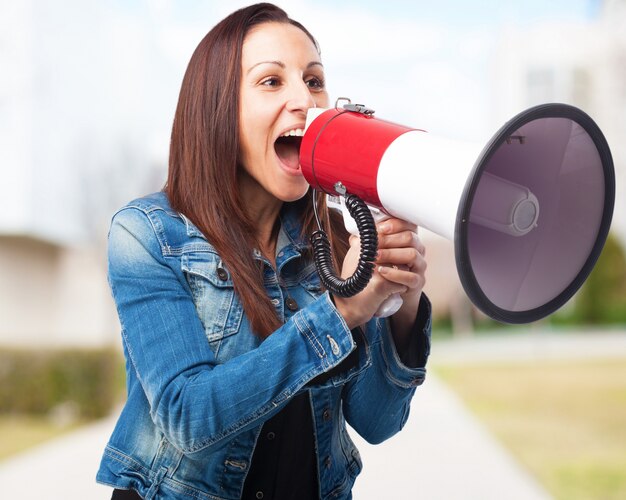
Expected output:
(284, 465)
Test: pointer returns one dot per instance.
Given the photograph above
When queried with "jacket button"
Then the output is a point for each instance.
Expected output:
(291, 304)
(222, 274)
(270, 436)
(326, 415)
(259, 495)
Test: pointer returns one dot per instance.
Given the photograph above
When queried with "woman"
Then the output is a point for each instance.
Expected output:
(241, 370)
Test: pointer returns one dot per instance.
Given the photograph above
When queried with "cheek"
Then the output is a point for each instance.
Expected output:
(321, 100)
(252, 154)
(248, 143)
(253, 134)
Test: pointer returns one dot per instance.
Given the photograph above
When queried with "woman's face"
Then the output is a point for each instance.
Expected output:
(282, 77)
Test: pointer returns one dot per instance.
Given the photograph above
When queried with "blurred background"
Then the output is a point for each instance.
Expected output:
(88, 91)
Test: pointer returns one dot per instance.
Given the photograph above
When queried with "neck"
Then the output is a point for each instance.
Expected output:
(265, 220)
(267, 239)
(262, 209)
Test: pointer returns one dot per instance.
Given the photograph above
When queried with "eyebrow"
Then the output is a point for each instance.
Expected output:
(282, 65)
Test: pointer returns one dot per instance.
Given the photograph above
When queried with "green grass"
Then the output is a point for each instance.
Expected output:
(565, 421)
(18, 433)
(46, 393)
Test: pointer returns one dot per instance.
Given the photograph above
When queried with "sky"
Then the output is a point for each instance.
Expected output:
(112, 71)
(424, 64)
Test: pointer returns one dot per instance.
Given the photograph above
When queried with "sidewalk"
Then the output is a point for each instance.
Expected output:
(534, 345)
(443, 452)
(62, 469)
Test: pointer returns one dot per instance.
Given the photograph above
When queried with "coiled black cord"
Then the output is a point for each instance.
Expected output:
(369, 246)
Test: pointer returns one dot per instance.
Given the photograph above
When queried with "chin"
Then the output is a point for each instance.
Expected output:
(293, 194)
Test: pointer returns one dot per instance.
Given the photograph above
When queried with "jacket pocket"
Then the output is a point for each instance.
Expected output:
(310, 280)
(218, 306)
(350, 453)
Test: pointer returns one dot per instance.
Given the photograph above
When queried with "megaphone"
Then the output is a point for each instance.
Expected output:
(529, 212)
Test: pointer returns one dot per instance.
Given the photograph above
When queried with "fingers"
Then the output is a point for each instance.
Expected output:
(405, 239)
(400, 269)
(410, 279)
(391, 226)
(397, 233)
(384, 287)
(401, 248)
(408, 256)
(361, 307)
(414, 278)
(401, 255)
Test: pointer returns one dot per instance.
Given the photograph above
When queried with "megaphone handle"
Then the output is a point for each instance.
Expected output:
(350, 223)
(390, 306)
(394, 302)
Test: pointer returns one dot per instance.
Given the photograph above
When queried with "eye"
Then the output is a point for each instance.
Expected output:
(315, 83)
(271, 81)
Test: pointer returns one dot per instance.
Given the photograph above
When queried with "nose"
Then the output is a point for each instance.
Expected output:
(300, 98)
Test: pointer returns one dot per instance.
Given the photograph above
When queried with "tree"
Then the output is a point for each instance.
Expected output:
(602, 299)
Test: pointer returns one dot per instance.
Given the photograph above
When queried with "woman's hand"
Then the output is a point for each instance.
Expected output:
(401, 259)
(400, 268)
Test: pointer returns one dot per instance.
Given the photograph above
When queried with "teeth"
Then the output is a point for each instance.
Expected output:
(296, 132)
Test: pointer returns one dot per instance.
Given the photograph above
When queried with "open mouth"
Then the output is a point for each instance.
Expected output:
(287, 149)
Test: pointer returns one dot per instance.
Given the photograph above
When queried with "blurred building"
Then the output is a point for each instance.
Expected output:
(52, 295)
(583, 64)
(580, 64)
(69, 156)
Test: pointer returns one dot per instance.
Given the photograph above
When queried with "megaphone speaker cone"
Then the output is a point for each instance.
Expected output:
(560, 156)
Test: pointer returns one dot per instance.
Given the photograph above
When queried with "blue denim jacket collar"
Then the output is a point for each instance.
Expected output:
(291, 241)
(192, 230)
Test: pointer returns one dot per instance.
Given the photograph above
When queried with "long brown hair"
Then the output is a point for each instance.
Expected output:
(203, 163)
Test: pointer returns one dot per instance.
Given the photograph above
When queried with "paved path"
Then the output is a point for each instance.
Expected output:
(443, 452)
(534, 345)
(62, 469)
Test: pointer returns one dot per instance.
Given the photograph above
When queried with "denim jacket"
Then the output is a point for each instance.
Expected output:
(200, 384)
